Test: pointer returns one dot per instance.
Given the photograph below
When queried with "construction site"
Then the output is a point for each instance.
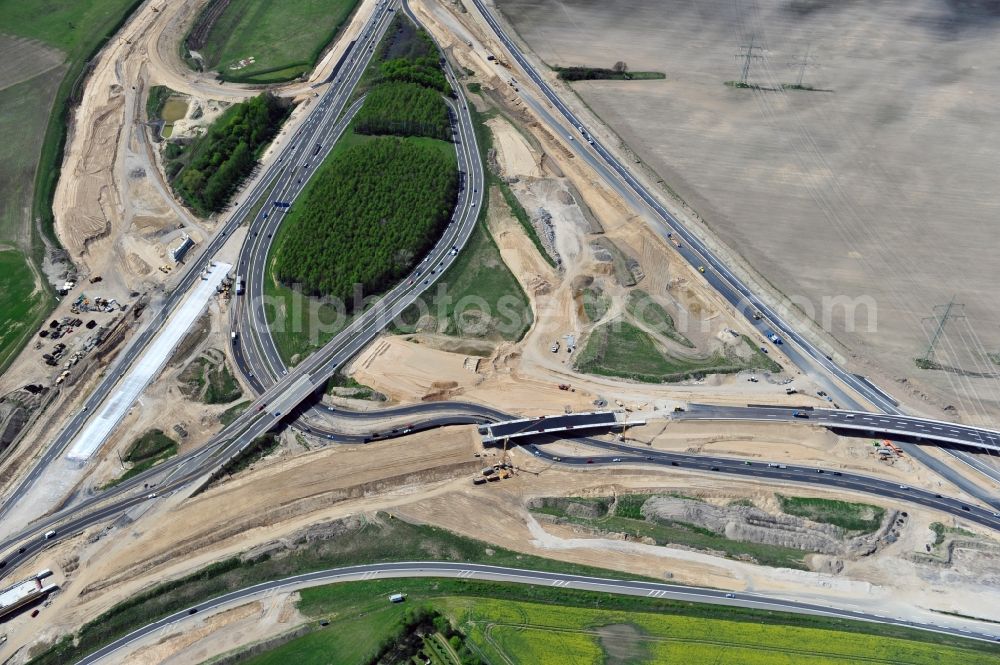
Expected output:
(138, 429)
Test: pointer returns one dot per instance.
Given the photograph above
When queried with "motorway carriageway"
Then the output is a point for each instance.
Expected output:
(255, 352)
(768, 471)
(301, 383)
(191, 273)
(802, 353)
(475, 571)
(882, 424)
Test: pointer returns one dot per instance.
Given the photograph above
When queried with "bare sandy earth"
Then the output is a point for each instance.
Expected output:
(425, 478)
(879, 190)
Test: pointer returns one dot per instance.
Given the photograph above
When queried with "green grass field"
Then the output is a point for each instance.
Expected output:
(209, 379)
(531, 633)
(22, 303)
(862, 517)
(619, 348)
(628, 519)
(32, 131)
(145, 452)
(649, 312)
(508, 623)
(478, 295)
(284, 38)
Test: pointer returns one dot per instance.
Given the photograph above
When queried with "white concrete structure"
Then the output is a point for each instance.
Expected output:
(96, 432)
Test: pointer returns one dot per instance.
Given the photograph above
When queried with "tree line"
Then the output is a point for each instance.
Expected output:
(208, 171)
(366, 218)
(404, 109)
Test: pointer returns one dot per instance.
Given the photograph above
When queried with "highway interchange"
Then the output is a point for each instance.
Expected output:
(283, 390)
(300, 383)
(838, 382)
(474, 571)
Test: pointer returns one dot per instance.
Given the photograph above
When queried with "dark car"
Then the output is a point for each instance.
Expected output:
(192, 610)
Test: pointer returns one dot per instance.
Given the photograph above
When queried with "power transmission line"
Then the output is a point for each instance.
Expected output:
(941, 320)
(747, 54)
(802, 63)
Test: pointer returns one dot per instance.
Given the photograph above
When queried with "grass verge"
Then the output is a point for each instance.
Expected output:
(365, 542)
(511, 623)
(146, 452)
(232, 413)
(284, 39)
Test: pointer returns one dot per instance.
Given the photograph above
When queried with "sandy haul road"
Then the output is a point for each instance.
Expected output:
(425, 479)
(873, 191)
(543, 175)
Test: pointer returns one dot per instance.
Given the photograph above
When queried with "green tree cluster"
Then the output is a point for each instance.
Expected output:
(217, 163)
(404, 109)
(424, 71)
(365, 217)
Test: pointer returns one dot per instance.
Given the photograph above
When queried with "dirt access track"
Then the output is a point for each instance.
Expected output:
(425, 479)
(873, 190)
(108, 146)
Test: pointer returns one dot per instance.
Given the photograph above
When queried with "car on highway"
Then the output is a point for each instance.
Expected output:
(590, 461)
(903, 487)
(715, 468)
(193, 610)
(617, 459)
(730, 595)
(701, 269)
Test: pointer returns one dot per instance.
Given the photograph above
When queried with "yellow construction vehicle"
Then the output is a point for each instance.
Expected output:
(504, 467)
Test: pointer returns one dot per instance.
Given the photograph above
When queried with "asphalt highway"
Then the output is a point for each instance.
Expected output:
(409, 569)
(254, 350)
(775, 472)
(280, 399)
(183, 471)
(190, 273)
(841, 384)
(277, 401)
(885, 425)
